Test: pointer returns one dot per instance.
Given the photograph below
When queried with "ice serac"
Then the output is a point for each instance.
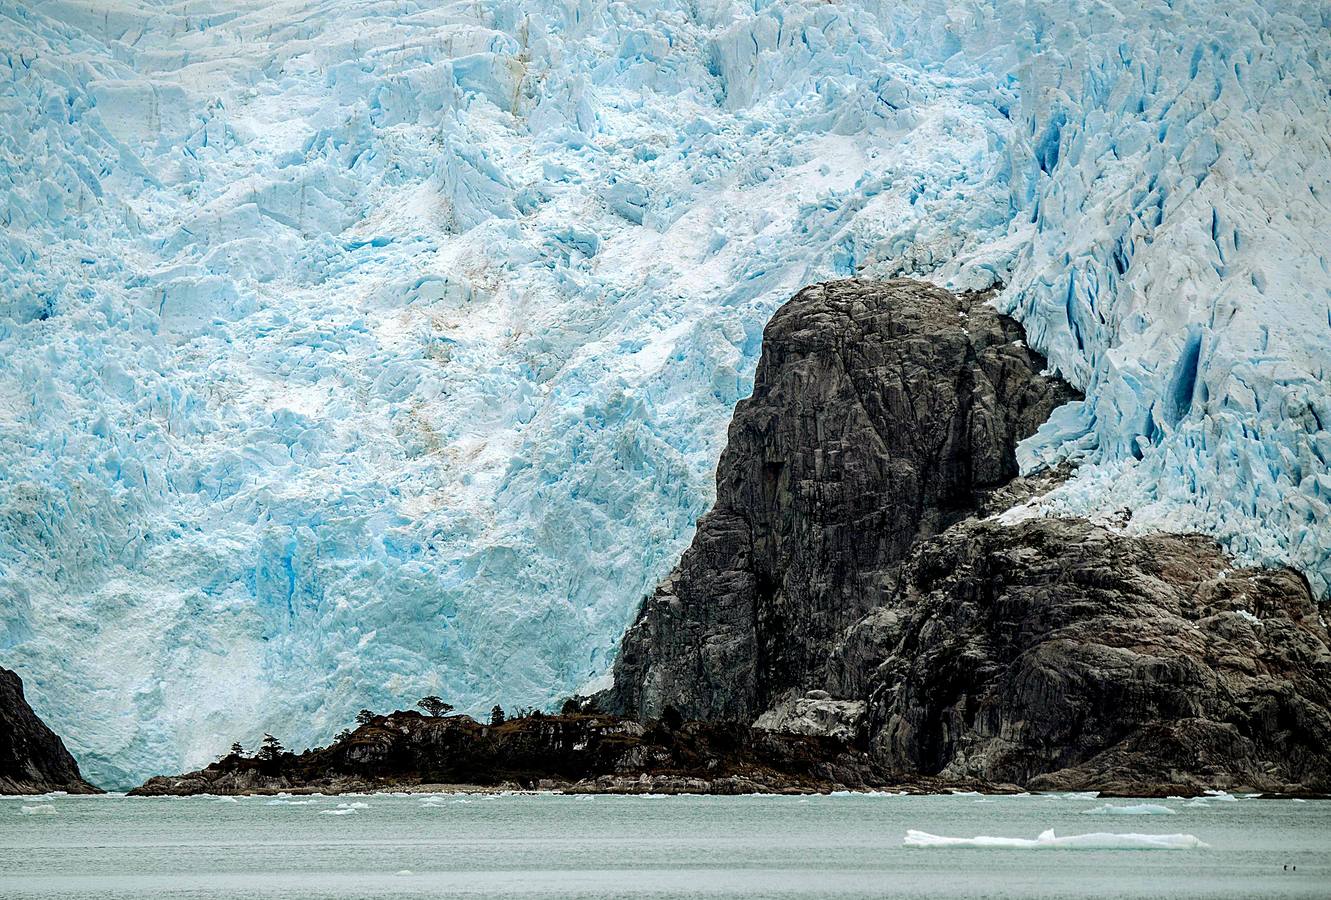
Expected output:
(33, 759)
(353, 351)
(881, 414)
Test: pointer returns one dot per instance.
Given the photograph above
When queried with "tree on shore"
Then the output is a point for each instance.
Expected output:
(272, 748)
(237, 749)
(497, 715)
(434, 706)
(364, 717)
(342, 735)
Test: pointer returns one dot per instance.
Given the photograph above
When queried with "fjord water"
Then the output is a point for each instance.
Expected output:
(610, 846)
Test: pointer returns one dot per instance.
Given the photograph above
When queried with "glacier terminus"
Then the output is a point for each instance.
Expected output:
(358, 351)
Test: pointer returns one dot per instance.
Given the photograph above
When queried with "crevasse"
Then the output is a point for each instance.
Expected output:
(356, 351)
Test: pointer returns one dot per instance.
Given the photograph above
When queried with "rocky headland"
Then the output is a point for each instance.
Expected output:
(33, 759)
(857, 576)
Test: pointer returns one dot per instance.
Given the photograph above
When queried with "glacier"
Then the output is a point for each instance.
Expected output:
(354, 351)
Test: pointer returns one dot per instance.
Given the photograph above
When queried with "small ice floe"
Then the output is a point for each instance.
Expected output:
(404, 872)
(225, 800)
(1134, 809)
(1224, 796)
(1049, 841)
(44, 809)
(281, 801)
(345, 809)
(1198, 803)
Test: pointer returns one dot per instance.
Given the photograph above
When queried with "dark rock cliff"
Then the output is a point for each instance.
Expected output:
(33, 760)
(847, 583)
(881, 413)
(1056, 654)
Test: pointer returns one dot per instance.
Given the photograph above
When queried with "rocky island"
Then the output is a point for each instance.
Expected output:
(870, 604)
(33, 760)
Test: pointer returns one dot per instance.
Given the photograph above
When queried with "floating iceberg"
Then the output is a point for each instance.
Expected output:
(345, 809)
(1132, 809)
(44, 810)
(1048, 841)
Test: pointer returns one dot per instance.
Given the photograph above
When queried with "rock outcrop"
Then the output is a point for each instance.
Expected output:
(585, 753)
(855, 560)
(33, 759)
(1055, 654)
(882, 412)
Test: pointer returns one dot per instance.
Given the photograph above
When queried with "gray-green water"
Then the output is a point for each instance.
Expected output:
(556, 846)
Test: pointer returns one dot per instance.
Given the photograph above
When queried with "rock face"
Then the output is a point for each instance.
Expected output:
(881, 413)
(1055, 654)
(33, 760)
(855, 562)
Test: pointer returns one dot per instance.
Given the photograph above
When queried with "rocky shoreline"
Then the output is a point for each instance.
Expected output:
(575, 752)
(405, 752)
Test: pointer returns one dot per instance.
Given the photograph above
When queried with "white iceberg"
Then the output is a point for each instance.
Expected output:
(1135, 809)
(1047, 840)
(43, 810)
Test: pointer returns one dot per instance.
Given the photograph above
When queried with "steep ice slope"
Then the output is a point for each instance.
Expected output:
(1172, 169)
(350, 351)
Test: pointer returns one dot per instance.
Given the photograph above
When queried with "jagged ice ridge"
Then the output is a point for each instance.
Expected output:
(356, 351)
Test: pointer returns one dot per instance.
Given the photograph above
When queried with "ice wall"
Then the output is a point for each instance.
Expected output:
(355, 351)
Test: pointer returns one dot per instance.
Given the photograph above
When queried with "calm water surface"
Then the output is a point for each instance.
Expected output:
(556, 846)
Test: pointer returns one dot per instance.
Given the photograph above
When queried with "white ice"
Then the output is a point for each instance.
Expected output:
(1048, 841)
(1131, 809)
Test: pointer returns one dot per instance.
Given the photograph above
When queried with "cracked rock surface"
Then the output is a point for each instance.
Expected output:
(882, 413)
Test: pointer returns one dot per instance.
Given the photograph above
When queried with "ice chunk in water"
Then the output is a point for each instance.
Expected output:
(1049, 841)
